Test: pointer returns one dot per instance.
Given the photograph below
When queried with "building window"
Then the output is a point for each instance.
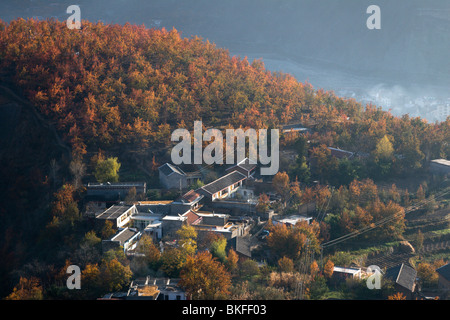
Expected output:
(178, 297)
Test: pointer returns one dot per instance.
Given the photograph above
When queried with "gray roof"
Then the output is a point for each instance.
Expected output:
(403, 275)
(114, 212)
(224, 182)
(115, 185)
(125, 235)
(244, 164)
(241, 245)
(167, 169)
(442, 162)
(444, 271)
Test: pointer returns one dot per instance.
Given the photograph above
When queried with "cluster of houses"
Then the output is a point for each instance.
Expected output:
(149, 288)
(223, 206)
(403, 276)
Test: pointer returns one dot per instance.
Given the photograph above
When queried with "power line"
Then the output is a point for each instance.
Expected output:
(379, 223)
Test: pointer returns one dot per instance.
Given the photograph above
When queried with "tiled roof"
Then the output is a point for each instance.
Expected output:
(190, 196)
(224, 182)
(241, 245)
(403, 275)
(125, 235)
(114, 212)
(442, 162)
(115, 185)
(167, 169)
(338, 153)
(244, 164)
(192, 217)
(444, 271)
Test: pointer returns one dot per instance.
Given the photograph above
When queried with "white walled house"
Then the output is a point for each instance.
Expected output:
(119, 215)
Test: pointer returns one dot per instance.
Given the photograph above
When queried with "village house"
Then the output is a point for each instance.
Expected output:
(126, 238)
(440, 167)
(188, 201)
(172, 177)
(341, 273)
(295, 128)
(242, 246)
(149, 224)
(113, 191)
(223, 187)
(291, 220)
(444, 277)
(119, 215)
(155, 289)
(244, 167)
(341, 154)
(404, 278)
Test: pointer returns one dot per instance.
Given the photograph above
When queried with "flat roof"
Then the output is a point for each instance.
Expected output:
(116, 184)
(114, 212)
(293, 219)
(174, 218)
(149, 217)
(211, 214)
(442, 162)
(154, 202)
(346, 270)
(224, 182)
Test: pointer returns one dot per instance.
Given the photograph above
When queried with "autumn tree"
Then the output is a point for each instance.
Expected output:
(232, 260)
(328, 269)
(152, 254)
(281, 185)
(187, 239)
(286, 264)
(172, 260)
(420, 194)
(107, 230)
(291, 241)
(314, 269)
(27, 289)
(203, 277)
(114, 275)
(397, 296)
(263, 203)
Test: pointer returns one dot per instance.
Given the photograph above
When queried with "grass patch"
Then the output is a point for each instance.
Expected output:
(441, 232)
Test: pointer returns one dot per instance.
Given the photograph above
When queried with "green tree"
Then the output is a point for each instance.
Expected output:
(217, 249)
(249, 268)
(383, 156)
(107, 170)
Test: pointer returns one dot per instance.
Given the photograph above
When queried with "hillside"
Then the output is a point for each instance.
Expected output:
(127, 87)
(69, 94)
